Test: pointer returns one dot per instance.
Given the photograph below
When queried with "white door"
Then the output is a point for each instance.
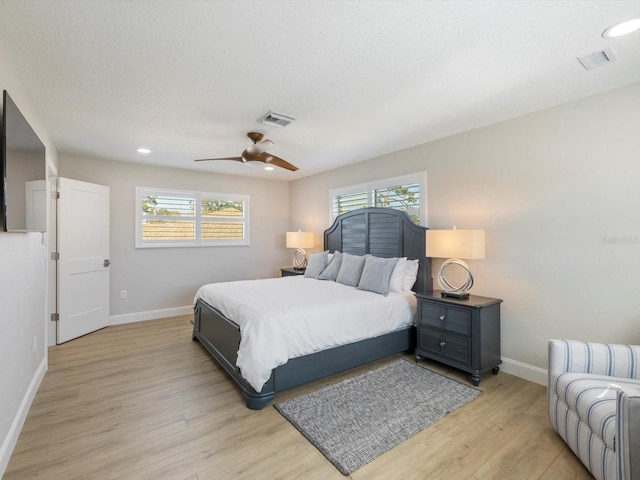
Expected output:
(83, 267)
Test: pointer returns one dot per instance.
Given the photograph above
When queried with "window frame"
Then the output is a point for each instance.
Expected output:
(197, 218)
(371, 187)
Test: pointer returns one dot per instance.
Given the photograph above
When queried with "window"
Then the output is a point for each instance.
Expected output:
(403, 193)
(171, 218)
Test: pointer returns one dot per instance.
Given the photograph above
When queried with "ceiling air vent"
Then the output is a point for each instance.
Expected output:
(597, 59)
(275, 119)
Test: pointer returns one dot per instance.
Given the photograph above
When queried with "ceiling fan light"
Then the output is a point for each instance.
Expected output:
(260, 147)
(268, 168)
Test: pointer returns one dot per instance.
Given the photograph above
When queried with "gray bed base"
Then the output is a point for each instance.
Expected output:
(379, 231)
(221, 338)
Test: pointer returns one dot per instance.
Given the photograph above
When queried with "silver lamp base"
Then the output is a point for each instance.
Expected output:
(450, 290)
(299, 259)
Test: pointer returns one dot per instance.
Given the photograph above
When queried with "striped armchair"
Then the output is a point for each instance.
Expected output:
(594, 405)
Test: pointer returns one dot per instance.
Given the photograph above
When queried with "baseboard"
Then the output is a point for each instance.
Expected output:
(16, 426)
(150, 315)
(523, 370)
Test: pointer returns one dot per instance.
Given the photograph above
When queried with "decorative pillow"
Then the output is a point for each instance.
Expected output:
(376, 274)
(333, 268)
(350, 270)
(410, 275)
(395, 284)
(317, 263)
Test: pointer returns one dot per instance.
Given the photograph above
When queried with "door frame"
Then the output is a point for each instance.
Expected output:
(52, 246)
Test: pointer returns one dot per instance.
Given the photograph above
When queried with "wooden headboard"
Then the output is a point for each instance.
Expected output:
(383, 232)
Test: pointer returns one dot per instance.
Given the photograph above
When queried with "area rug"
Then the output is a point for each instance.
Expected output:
(354, 421)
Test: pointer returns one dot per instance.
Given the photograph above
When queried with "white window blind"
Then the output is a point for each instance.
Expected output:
(167, 218)
(349, 201)
(402, 193)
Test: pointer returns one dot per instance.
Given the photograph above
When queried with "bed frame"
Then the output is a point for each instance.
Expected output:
(379, 231)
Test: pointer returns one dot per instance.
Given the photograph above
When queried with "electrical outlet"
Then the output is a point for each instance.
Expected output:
(123, 294)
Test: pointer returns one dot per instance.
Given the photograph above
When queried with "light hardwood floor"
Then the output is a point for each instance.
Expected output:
(143, 401)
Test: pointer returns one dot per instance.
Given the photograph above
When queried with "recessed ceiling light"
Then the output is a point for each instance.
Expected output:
(144, 150)
(622, 28)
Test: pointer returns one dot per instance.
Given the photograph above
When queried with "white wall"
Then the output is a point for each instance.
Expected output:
(558, 194)
(165, 278)
(23, 359)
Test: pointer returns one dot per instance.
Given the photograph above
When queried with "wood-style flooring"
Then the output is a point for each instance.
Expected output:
(144, 401)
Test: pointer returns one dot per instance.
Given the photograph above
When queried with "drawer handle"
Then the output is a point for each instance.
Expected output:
(442, 344)
(442, 317)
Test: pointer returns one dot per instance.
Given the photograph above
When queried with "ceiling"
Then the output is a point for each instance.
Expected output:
(188, 79)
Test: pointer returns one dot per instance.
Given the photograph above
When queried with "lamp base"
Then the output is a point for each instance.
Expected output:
(299, 269)
(448, 289)
(299, 259)
(456, 295)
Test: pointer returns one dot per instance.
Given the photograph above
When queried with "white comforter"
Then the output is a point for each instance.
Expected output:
(283, 318)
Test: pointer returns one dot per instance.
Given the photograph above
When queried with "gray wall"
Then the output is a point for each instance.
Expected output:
(558, 193)
(23, 359)
(161, 278)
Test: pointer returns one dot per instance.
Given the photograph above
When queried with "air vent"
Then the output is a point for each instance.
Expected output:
(275, 119)
(597, 59)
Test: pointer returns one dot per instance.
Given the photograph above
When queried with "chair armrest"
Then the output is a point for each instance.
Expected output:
(628, 433)
(589, 357)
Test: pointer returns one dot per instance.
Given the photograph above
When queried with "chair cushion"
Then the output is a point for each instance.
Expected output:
(593, 398)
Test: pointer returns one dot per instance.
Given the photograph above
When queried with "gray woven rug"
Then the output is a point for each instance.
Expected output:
(354, 421)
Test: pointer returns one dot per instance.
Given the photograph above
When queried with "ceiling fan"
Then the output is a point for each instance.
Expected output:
(257, 153)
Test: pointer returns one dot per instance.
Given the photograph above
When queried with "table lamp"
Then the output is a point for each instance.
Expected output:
(299, 240)
(455, 245)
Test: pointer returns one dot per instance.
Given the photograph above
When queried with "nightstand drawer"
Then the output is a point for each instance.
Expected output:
(452, 347)
(447, 318)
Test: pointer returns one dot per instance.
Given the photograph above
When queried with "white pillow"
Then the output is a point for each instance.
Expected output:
(395, 284)
(410, 275)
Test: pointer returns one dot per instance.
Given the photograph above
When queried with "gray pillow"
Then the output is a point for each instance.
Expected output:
(376, 274)
(317, 263)
(332, 270)
(350, 270)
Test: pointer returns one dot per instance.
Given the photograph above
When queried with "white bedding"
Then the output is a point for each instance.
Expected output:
(283, 318)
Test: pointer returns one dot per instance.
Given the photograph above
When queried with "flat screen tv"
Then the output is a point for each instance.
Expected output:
(23, 169)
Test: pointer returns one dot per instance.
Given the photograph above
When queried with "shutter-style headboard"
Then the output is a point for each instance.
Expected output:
(383, 232)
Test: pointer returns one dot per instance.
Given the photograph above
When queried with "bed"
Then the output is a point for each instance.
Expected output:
(380, 232)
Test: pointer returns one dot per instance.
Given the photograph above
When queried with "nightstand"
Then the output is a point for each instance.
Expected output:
(461, 333)
(291, 272)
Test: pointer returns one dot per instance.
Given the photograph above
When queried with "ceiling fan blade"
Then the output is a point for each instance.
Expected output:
(278, 162)
(238, 159)
(260, 147)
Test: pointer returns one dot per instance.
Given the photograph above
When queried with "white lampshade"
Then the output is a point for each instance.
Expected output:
(299, 239)
(464, 244)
